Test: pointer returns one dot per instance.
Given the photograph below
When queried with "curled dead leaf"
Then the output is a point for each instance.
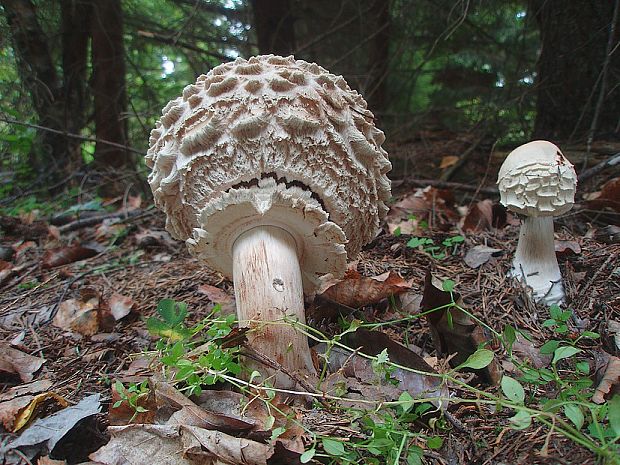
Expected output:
(479, 255)
(64, 255)
(80, 315)
(607, 376)
(356, 291)
(16, 362)
(483, 216)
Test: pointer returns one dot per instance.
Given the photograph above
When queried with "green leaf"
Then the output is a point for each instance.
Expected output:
(435, 442)
(448, 285)
(414, 456)
(574, 414)
(510, 336)
(590, 335)
(521, 420)
(270, 421)
(512, 389)
(478, 360)
(449, 319)
(564, 352)
(614, 414)
(415, 242)
(117, 404)
(549, 347)
(332, 447)
(307, 456)
(383, 357)
(172, 312)
(396, 233)
(277, 432)
(583, 367)
(406, 401)
(118, 387)
(556, 312)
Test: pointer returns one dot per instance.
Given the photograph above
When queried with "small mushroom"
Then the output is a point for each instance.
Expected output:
(271, 169)
(538, 182)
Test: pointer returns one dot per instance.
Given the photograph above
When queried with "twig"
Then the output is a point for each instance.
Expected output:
(596, 169)
(85, 222)
(255, 355)
(71, 135)
(445, 185)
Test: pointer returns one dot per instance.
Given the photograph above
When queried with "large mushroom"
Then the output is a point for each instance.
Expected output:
(271, 169)
(538, 182)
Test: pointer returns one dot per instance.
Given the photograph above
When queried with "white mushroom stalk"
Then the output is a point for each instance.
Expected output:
(272, 171)
(538, 182)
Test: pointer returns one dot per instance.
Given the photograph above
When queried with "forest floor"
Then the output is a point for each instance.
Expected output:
(75, 299)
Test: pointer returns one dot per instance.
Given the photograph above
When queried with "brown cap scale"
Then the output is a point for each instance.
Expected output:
(538, 182)
(272, 171)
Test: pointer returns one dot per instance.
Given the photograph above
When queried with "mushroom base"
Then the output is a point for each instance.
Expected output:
(535, 263)
(269, 295)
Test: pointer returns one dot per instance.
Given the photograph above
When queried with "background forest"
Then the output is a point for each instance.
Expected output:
(83, 81)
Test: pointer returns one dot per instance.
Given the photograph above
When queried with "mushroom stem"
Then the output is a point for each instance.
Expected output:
(268, 287)
(535, 262)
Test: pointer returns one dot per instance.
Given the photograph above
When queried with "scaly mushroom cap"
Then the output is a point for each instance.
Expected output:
(273, 134)
(537, 180)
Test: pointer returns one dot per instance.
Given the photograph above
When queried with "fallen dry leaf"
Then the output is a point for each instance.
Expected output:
(41, 437)
(120, 305)
(433, 206)
(64, 255)
(356, 291)
(607, 376)
(230, 449)
(607, 197)
(566, 248)
(131, 444)
(109, 229)
(218, 296)
(448, 161)
(124, 413)
(187, 412)
(453, 331)
(42, 404)
(48, 461)
(15, 361)
(479, 255)
(80, 315)
(483, 216)
(422, 384)
(153, 238)
(30, 388)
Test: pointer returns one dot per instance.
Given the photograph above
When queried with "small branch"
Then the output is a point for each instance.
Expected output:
(93, 220)
(73, 136)
(445, 185)
(177, 43)
(596, 169)
(257, 356)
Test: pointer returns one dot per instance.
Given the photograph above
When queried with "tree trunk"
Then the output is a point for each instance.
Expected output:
(575, 39)
(59, 106)
(379, 56)
(108, 86)
(75, 35)
(274, 25)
